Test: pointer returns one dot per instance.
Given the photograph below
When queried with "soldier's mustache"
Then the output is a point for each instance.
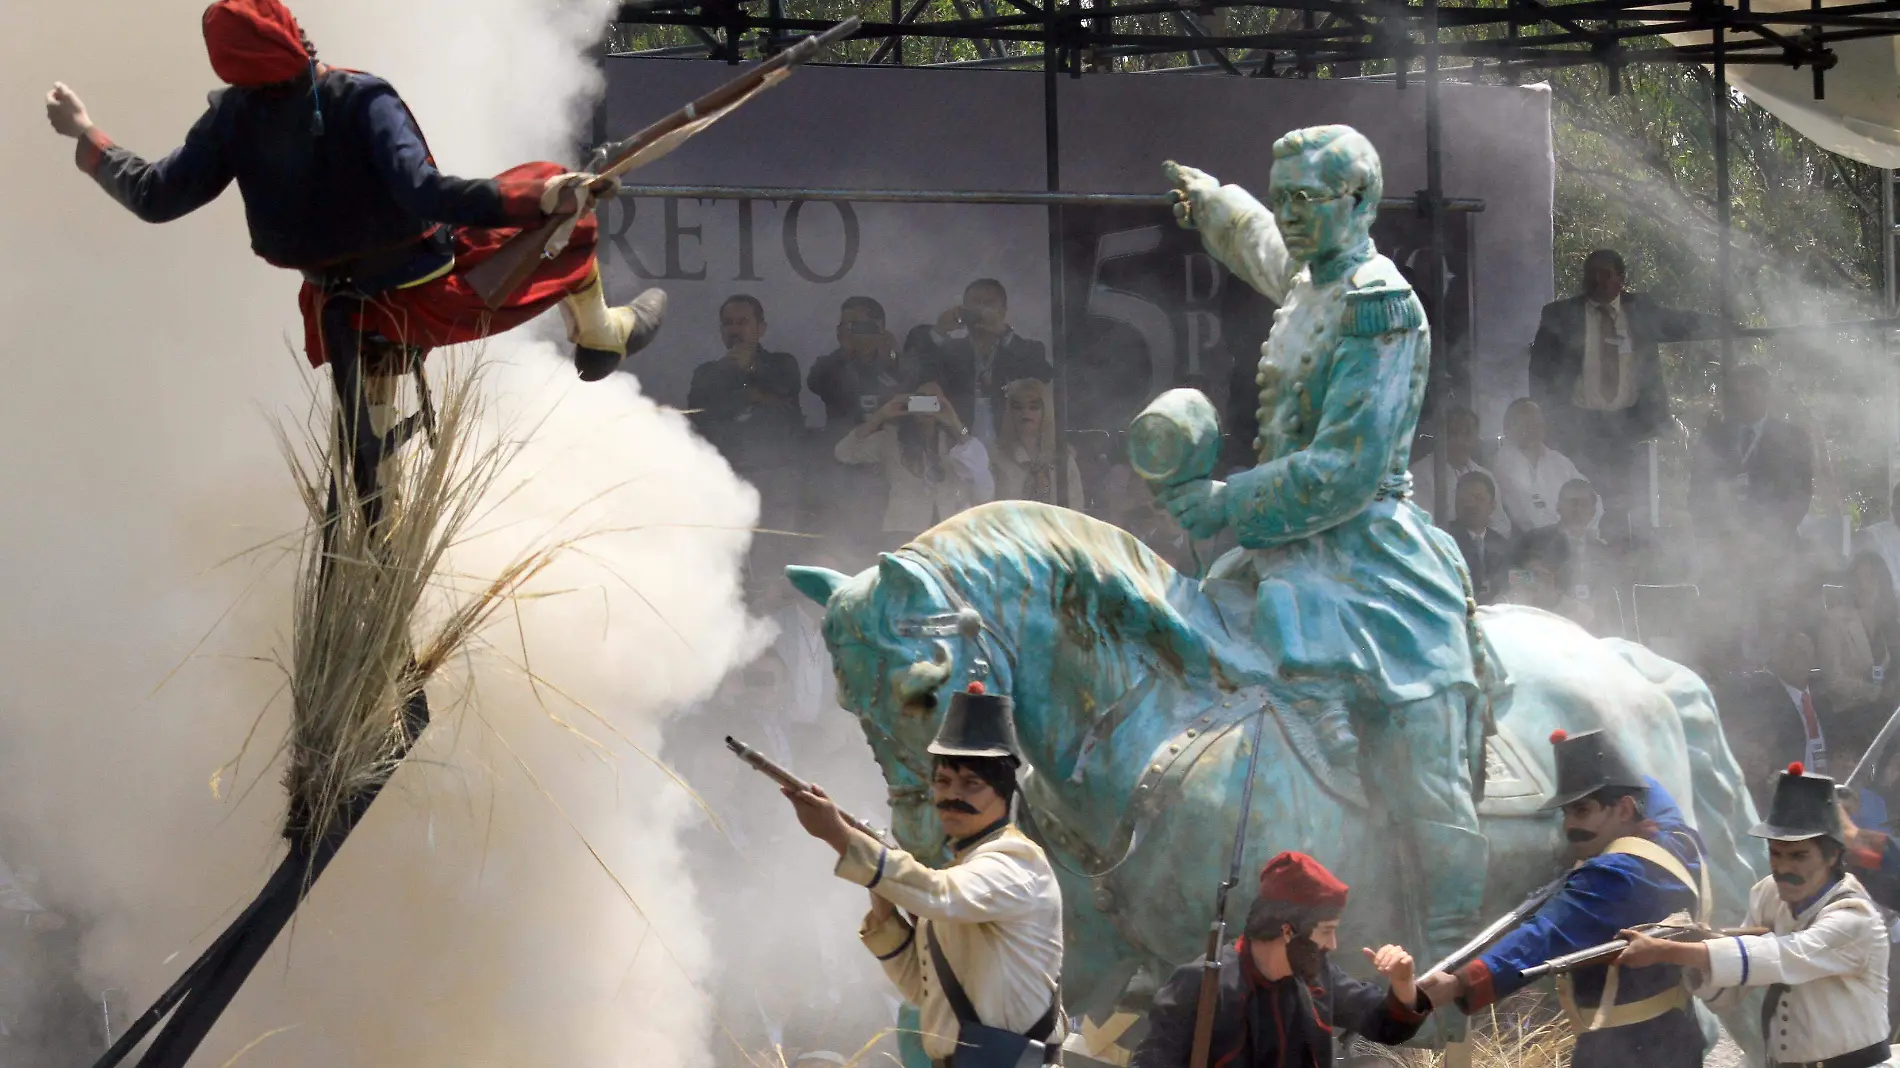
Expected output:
(957, 804)
(1578, 836)
(1788, 878)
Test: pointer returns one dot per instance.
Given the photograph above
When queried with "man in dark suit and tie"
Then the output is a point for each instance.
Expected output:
(1487, 553)
(988, 356)
(1754, 472)
(1594, 371)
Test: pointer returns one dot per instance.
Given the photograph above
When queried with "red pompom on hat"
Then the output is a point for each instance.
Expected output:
(1559, 735)
(254, 42)
(976, 687)
(1298, 879)
(1797, 768)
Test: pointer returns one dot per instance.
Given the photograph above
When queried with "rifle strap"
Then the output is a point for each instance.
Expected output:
(953, 992)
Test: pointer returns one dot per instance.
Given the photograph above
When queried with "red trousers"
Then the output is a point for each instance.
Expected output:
(446, 311)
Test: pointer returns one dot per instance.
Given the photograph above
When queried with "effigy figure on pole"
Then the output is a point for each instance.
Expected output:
(1357, 600)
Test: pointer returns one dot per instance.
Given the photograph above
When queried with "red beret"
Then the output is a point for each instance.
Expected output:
(1797, 768)
(1559, 735)
(1298, 879)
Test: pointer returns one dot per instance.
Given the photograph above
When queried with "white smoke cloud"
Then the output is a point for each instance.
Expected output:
(466, 923)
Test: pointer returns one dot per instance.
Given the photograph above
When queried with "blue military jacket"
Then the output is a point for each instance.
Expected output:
(1602, 896)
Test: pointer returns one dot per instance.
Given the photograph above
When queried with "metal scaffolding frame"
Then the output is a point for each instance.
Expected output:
(1303, 38)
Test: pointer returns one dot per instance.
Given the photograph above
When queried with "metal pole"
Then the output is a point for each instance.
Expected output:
(1723, 267)
(1051, 198)
(1058, 296)
(1887, 243)
(1440, 377)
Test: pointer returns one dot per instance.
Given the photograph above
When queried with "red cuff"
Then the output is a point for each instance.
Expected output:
(91, 151)
(1868, 850)
(1403, 1013)
(521, 200)
(1478, 991)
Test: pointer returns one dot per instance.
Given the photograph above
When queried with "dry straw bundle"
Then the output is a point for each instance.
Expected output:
(357, 672)
(1528, 1034)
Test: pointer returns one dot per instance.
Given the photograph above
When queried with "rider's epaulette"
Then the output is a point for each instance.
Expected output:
(1382, 309)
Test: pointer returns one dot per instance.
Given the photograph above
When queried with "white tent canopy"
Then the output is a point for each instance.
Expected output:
(1859, 119)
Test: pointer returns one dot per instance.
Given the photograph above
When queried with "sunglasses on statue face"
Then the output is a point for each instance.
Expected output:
(863, 327)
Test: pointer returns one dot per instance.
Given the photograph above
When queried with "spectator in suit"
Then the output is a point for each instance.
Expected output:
(1025, 457)
(1596, 566)
(745, 404)
(1857, 644)
(1779, 714)
(1595, 371)
(1540, 575)
(1487, 553)
(1461, 456)
(1529, 473)
(1883, 538)
(864, 370)
(1750, 482)
(989, 354)
(1755, 471)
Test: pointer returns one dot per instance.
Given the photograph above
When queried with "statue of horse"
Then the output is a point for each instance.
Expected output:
(1136, 689)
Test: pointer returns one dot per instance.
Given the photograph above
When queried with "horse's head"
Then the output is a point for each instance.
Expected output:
(1071, 614)
(897, 654)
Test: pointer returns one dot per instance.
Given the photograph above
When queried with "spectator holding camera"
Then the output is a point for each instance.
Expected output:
(987, 355)
(864, 370)
(1024, 460)
(933, 468)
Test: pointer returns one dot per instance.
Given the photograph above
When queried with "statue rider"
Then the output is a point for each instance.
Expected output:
(1359, 601)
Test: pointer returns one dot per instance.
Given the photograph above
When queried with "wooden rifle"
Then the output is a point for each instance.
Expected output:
(1607, 952)
(498, 277)
(1217, 931)
(772, 770)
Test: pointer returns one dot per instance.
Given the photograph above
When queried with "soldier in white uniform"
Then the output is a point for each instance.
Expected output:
(1824, 960)
(980, 953)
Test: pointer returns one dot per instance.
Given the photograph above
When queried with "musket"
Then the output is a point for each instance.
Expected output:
(497, 278)
(765, 765)
(1870, 757)
(1217, 931)
(1609, 951)
(1499, 927)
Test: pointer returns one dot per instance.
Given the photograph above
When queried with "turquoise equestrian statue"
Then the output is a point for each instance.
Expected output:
(1135, 686)
(1404, 728)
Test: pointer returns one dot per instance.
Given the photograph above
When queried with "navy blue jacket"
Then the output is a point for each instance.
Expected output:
(1260, 1023)
(1602, 896)
(366, 186)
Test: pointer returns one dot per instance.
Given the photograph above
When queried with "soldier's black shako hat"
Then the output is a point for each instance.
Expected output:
(1804, 807)
(978, 724)
(1586, 763)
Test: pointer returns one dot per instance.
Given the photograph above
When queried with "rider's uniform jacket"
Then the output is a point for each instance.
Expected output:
(1617, 1012)
(1825, 967)
(997, 913)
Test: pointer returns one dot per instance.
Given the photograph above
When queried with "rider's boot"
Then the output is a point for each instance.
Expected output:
(604, 336)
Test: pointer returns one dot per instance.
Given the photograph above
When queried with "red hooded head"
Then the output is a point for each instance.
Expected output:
(254, 42)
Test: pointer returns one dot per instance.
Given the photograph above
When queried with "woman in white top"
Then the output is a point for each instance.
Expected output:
(932, 467)
(1024, 462)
